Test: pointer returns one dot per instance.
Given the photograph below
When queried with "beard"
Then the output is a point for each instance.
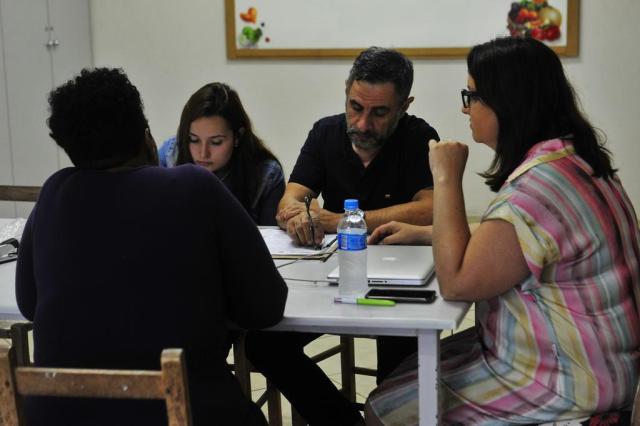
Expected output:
(370, 139)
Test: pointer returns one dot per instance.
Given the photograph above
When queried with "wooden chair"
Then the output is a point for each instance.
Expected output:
(170, 384)
(635, 412)
(271, 396)
(19, 193)
(348, 371)
(243, 368)
(18, 333)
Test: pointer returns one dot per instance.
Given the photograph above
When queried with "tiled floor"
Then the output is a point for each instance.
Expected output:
(365, 353)
(365, 357)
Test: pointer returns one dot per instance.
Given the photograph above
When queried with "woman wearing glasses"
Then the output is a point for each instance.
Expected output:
(215, 132)
(553, 266)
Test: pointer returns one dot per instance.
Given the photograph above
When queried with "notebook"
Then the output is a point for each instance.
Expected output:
(396, 266)
(281, 247)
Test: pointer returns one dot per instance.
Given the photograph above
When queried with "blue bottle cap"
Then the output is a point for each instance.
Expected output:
(350, 204)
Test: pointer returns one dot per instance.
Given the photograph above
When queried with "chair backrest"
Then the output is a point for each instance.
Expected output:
(19, 193)
(635, 411)
(18, 332)
(170, 384)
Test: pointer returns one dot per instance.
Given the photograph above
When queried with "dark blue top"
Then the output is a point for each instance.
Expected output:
(264, 205)
(328, 165)
(115, 266)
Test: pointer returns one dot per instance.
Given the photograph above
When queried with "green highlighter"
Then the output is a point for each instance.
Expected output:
(363, 301)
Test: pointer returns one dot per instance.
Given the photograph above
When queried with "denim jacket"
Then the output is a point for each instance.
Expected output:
(265, 204)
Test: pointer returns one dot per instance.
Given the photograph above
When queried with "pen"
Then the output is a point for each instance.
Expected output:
(333, 240)
(307, 204)
(363, 301)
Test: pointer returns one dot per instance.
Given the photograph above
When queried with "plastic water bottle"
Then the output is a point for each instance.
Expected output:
(352, 251)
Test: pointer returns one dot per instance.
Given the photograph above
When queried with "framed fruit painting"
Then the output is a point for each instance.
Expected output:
(419, 28)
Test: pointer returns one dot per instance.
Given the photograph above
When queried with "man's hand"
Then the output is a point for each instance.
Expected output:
(401, 233)
(329, 220)
(288, 212)
(300, 231)
(292, 216)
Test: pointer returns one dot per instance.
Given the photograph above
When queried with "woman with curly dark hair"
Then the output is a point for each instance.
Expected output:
(215, 132)
(553, 267)
(105, 289)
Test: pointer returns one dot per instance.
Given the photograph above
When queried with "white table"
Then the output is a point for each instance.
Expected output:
(310, 308)
(8, 306)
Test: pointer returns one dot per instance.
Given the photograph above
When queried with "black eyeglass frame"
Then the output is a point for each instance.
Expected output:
(468, 96)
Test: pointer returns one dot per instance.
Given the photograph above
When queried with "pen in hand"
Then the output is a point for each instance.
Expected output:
(328, 244)
(307, 204)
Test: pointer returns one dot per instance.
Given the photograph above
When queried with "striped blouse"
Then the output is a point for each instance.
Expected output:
(563, 343)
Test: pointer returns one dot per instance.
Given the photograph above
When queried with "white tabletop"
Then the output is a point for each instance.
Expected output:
(5, 221)
(310, 306)
(8, 305)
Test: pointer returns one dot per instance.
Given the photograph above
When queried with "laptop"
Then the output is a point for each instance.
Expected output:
(396, 266)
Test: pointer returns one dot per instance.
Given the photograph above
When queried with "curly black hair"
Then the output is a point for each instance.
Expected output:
(97, 118)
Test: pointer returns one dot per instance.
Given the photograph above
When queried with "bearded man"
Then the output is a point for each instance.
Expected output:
(375, 152)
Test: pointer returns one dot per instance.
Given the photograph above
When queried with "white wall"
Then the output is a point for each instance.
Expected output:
(169, 49)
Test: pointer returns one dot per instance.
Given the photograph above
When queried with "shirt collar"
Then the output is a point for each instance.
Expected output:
(543, 152)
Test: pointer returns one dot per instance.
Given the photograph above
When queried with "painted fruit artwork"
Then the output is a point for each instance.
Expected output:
(250, 15)
(249, 35)
(534, 18)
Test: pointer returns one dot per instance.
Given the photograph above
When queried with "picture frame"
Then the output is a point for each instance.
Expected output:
(281, 29)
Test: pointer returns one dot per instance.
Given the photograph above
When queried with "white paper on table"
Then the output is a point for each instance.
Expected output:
(12, 229)
(280, 244)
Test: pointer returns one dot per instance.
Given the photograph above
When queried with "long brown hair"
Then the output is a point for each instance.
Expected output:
(218, 99)
(523, 82)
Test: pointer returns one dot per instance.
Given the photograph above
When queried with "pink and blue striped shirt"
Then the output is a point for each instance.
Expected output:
(563, 343)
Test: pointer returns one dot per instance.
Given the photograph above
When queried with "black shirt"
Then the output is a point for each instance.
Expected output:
(328, 165)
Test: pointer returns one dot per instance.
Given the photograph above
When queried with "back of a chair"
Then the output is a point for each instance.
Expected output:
(635, 411)
(169, 384)
(18, 332)
(19, 193)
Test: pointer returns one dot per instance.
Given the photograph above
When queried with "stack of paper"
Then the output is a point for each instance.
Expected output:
(281, 247)
(12, 228)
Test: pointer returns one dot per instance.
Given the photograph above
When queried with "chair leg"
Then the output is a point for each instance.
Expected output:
(635, 411)
(274, 404)
(347, 361)
(242, 367)
(243, 374)
(11, 413)
(20, 343)
(296, 418)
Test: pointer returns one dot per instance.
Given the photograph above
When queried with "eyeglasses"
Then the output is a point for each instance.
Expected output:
(468, 96)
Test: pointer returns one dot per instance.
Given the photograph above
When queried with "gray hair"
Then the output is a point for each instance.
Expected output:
(380, 65)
